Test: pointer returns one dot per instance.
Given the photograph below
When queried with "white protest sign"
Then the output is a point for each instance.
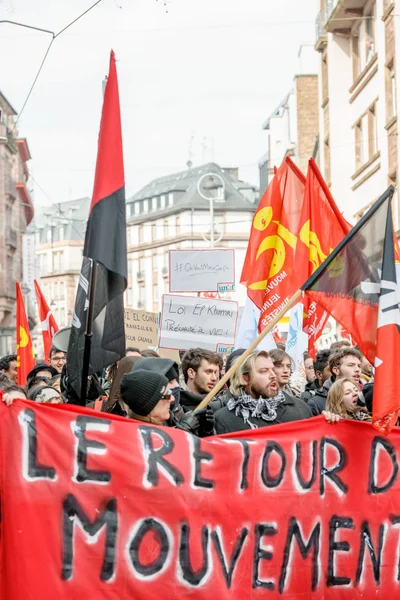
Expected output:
(188, 322)
(201, 270)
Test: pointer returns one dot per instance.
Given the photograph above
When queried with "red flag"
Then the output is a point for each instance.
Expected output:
(25, 355)
(386, 403)
(105, 245)
(47, 321)
(269, 270)
(347, 283)
(322, 228)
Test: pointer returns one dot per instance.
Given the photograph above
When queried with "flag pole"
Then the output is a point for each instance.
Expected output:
(293, 300)
(88, 332)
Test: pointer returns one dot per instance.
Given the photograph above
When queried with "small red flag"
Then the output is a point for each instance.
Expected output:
(322, 228)
(269, 271)
(47, 321)
(25, 355)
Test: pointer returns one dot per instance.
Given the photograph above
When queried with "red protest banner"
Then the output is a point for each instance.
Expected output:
(112, 509)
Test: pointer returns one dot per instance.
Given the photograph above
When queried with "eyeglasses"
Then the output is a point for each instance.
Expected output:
(311, 368)
(58, 359)
(166, 397)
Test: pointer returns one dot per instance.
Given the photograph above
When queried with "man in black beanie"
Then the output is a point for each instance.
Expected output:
(200, 423)
(147, 396)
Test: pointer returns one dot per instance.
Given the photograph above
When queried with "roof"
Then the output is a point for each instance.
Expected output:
(71, 215)
(184, 187)
(9, 106)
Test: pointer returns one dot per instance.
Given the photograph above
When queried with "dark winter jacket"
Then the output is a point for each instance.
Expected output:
(221, 400)
(292, 409)
(317, 402)
(309, 391)
(189, 400)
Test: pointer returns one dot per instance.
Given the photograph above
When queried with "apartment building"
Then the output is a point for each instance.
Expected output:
(59, 233)
(16, 212)
(358, 42)
(169, 213)
(292, 128)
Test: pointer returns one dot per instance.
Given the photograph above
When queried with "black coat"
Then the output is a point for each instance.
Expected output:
(292, 409)
(190, 401)
(317, 402)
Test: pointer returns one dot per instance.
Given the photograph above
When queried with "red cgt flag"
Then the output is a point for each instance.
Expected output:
(269, 271)
(25, 355)
(322, 228)
(47, 321)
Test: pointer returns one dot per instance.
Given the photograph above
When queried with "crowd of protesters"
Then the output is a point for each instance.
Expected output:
(264, 390)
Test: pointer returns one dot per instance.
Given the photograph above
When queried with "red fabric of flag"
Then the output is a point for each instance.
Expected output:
(25, 355)
(47, 321)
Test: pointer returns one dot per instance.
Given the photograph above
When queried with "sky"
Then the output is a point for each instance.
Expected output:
(197, 78)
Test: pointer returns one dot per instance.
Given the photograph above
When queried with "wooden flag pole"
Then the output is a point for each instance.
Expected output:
(293, 300)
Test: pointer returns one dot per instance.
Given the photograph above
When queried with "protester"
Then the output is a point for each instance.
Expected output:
(366, 371)
(343, 400)
(10, 393)
(148, 353)
(345, 362)
(283, 367)
(41, 371)
(131, 351)
(202, 423)
(45, 394)
(200, 370)
(256, 399)
(310, 372)
(114, 403)
(57, 359)
(8, 366)
(146, 395)
(222, 398)
(339, 345)
(322, 372)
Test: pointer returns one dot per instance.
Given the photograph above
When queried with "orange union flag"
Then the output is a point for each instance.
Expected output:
(25, 356)
(269, 270)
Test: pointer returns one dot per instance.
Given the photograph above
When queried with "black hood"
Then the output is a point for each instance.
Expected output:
(189, 400)
(164, 366)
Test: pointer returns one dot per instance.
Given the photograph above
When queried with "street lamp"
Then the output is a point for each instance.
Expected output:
(211, 187)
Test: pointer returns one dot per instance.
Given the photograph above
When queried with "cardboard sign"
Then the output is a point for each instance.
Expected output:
(122, 509)
(188, 322)
(201, 270)
(141, 328)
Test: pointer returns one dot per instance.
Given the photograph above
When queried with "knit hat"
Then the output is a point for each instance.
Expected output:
(141, 390)
(41, 367)
(166, 366)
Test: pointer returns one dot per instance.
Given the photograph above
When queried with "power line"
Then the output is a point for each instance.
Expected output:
(54, 37)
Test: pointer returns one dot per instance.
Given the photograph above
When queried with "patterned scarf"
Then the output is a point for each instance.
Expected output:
(246, 406)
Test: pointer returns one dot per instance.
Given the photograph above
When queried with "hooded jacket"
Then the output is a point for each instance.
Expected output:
(317, 402)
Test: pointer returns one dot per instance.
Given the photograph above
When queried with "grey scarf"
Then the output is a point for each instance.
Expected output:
(246, 406)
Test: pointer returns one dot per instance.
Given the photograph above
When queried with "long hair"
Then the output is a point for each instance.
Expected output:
(334, 401)
(246, 369)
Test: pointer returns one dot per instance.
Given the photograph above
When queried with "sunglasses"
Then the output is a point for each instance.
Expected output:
(166, 397)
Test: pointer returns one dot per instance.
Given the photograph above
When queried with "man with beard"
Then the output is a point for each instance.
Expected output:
(256, 400)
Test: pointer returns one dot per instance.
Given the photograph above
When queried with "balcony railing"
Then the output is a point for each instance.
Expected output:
(11, 237)
(140, 276)
(323, 17)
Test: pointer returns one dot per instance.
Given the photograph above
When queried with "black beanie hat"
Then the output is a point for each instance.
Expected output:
(166, 366)
(141, 390)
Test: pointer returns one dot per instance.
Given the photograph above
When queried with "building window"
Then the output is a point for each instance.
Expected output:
(155, 263)
(356, 55)
(153, 231)
(154, 203)
(136, 208)
(62, 290)
(366, 137)
(142, 265)
(55, 290)
(43, 263)
(178, 225)
(49, 235)
(390, 76)
(162, 198)
(61, 233)
(145, 206)
(170, 199)
(58, 262)
(370, 35)
(155, 293)
(142, 296)
(166, 228)
(141, 234)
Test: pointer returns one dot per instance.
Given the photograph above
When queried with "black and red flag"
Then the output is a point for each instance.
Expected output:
(357, 285)
(105, 246)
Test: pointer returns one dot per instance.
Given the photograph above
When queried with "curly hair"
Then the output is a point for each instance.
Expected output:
(6, 360)
(335, 359)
